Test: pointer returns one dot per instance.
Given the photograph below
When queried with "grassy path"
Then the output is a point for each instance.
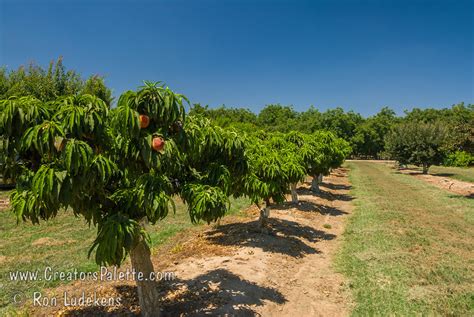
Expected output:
(409, 247)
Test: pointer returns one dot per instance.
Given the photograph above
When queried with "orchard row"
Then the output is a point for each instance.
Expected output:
(119, 167)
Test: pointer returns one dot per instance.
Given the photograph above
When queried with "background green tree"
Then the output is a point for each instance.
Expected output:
(368, 140)
(458, 120)
(51, 83)
(277, 118)
(417, 143)
(342, 124)
(238, 118)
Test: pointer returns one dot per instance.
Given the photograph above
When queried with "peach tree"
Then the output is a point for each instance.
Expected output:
(329, 152)
(304, 150)
(294, 152)
(119, 168)
(273, 167)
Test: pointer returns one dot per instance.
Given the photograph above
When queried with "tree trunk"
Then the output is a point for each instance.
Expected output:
(315, 184)
(294, 194)
(263, 217)
(148, 295)
(320, 178)
(425, 168)
(264, 214)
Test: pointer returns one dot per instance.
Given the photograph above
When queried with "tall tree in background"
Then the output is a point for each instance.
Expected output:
(277, 118)
(342, 124)
(460, 125)
(51, 83)
(369, 135)
(239, 118)
(309, 121)
(95, 85)
(458, 121)
(417, 143)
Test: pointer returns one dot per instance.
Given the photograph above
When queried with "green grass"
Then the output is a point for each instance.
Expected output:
(408, 247)
(465, 174)
(69, 239)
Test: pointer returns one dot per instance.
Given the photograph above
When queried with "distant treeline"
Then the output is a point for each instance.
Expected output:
(366, 135)
(50, 83)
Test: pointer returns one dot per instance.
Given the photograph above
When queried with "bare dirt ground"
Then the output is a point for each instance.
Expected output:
(4, 204)
(234, 269)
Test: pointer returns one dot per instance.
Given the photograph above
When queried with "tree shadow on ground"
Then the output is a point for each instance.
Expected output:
(458, 196)
(302, 190)
(220, 292)
(286, 237)
(324, 194)
(413, 171)
(331, 197)
(217, 292)
(336, 186)
(309, 206)
(443, 174)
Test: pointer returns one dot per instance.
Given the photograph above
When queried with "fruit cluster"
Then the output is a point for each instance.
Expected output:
(157, 142)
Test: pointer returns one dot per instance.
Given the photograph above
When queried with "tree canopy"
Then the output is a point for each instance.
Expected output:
(119, 168)
(51, 83)
(417, 143)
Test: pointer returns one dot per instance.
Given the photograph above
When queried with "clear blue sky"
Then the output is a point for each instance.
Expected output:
(360, 55)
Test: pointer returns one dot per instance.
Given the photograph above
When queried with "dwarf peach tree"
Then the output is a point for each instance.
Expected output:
(119, 168)
(316, 154)
(329, 152)
(302, 148)
(272, 168)
(294, 151)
